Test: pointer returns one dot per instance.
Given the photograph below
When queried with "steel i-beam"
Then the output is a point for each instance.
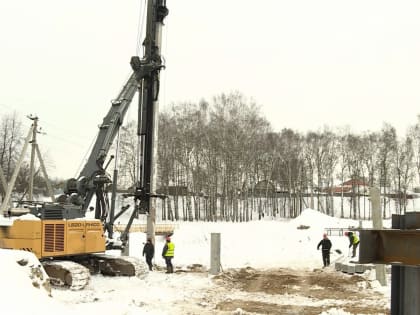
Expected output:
(395, 247)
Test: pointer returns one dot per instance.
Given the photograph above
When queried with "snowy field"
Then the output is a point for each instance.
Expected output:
(259, 249)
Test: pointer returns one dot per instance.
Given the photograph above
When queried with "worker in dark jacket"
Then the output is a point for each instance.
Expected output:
(168, 254)
(326, 245)
(354, 241)
(149, 251)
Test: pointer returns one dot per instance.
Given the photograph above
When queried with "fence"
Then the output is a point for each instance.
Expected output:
(160, 229)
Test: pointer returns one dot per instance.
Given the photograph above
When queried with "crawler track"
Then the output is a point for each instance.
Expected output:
(75, 275)
(121, 266)
(67, 274)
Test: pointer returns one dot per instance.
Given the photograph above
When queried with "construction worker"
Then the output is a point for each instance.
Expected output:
(168, 254)
(354, 241)
(326, 245)
(149, 251)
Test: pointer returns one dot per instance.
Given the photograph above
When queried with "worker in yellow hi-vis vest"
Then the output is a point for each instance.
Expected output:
(354, 241)
(168, 254)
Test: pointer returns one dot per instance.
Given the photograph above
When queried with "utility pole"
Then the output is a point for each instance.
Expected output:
(36, 152)
(32, 165)
(44, 172)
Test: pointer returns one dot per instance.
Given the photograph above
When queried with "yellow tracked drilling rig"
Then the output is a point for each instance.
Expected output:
(69, 245)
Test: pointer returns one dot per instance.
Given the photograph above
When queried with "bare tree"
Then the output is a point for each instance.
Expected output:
(404, 166)
(10, 144)
(128, 154)
(290, 167)
(414, 133)
(387, 149)
(321, 159)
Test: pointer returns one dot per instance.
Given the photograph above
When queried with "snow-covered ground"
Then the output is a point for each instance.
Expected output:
(258, 245)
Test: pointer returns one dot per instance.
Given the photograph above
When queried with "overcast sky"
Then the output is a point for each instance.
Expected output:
(307, 63)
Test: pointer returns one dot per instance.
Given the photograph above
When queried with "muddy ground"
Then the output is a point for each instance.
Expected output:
(287, 291)
(191, 291)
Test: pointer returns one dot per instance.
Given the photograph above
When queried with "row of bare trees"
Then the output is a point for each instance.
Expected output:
(220, 160)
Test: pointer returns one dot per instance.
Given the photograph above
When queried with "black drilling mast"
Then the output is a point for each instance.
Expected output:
(93, 179)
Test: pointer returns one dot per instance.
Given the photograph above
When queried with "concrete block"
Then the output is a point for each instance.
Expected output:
(338, 266)
(350, 269)
(359, 268)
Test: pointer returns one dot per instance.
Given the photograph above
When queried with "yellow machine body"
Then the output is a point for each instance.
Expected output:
(52, 238)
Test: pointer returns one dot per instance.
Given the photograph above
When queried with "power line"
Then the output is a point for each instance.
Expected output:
(65, 132)
(65, 140)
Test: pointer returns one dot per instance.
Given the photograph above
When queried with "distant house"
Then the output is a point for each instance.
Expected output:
(338, 190)
(359, 185)
(355, 182)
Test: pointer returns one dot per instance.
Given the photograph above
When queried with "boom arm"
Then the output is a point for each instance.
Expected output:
(93, 178)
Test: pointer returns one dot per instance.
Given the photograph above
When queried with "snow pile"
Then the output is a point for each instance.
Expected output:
(28, 270)
(24, 283)
(316, 220)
